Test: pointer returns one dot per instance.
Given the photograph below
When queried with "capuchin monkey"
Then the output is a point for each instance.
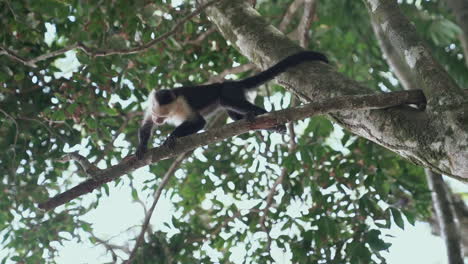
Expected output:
(187, 107)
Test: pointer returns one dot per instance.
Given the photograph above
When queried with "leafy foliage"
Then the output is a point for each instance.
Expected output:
(333, 206)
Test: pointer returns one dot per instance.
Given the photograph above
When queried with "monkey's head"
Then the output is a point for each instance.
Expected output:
(165, 97)
(162, 105)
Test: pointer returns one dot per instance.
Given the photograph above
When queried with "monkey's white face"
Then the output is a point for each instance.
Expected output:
(159, 114)
(174, 113)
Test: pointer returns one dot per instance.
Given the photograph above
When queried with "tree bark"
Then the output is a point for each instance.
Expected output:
(402, 71)
(441, 90)
(446, 217)
(422, 137)
(410, 81)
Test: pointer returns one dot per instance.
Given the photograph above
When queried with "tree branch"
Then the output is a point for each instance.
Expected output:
(422, 137)
(130, 163)
(87, 166)
(156, 196)
(446, 217)
(306, 21)
(441, 90)
(234, 70)
(201, 37)
(100, 52)
(287, 17)
(397, 64)
(279, 180)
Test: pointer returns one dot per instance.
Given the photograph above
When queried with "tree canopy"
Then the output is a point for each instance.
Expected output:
(74, 77)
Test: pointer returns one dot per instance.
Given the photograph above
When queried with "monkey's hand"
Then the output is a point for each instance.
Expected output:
(170, 141)
(141, 151)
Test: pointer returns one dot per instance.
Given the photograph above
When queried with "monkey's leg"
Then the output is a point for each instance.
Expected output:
(242, 107)
(188, 127)
(248, 111)
(144, 135)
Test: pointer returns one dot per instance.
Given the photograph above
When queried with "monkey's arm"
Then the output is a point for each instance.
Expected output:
(144, 135)
(188, 127)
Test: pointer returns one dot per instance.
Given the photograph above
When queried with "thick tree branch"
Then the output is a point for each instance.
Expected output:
(422, 137)
(441, 90)
(130, 163)
(105, 52)
(446, 217)
(441, 194)
(408, 79)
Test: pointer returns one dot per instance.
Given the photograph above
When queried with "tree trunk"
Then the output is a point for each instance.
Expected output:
(447, 214)
(420, 136)
(446, 218)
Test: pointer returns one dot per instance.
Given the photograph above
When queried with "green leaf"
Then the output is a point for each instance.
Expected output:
(16, 258)
(135, 194)
(372, 238)
(410, 216)
(58, 115)
(106, 188)
(397, 218)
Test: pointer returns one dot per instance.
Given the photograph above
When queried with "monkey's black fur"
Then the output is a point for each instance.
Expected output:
(202, 100)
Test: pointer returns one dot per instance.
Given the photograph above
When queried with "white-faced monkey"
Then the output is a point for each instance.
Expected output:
(187, 107)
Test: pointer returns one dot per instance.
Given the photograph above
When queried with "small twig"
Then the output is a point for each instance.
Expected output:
(201, 37)
(87, 166)
(235, 70)
(51, 132)
(156, 196)
(279, 180)
(148, 45)
(101, 53)
(293, 7)
(111, 247)
(109, 146)
(14, 56)
(53, 54)
(148, 214)
(11, 9)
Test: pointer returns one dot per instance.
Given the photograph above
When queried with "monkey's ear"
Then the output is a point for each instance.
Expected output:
(165, 97)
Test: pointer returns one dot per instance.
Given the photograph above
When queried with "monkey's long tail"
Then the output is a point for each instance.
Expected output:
(280, 67)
